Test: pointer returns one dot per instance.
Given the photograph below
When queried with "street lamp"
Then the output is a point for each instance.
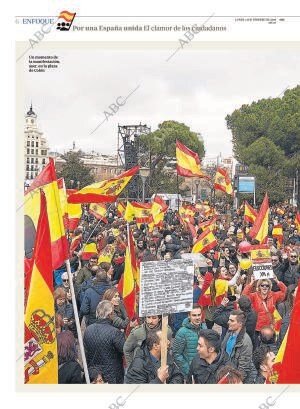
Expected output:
(78, 184)
(71, 182)
(144, 173)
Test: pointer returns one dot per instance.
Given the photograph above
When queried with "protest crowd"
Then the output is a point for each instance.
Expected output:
(237, 328)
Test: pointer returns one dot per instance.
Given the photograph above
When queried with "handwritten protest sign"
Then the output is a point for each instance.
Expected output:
(166, 287)
(261, 261)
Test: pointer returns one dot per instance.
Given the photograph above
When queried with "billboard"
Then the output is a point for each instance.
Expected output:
(246, 184)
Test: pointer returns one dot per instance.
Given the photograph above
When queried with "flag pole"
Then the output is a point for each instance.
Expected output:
(80, 340)
(177, 193)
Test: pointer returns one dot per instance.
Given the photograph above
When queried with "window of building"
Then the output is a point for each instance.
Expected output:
(32, 167)
(32, 144)
(28, 151)
(32, 160)
(28, 143)
(36, 151)
(36, 144)
(28, 160)
(27, 167)
(32, 151)
(27, 175)
(36, 160)
(44, 161)
(43, 152)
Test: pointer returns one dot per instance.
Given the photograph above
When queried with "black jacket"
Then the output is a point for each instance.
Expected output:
(206, 373)
(103, 346)
(144, 370)
(69, 373)
(221, 316)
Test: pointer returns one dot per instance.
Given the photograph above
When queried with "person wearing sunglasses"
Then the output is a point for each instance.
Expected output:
(291, 272)
(264, 301)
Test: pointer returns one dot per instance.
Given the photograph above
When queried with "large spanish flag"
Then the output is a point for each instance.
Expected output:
(105, 191)
(88, 250)
(205, 242)
(158, 209)
(74, 213)
(188, 162)
(259, 230)
(222, 181)
(250, 214)
(141, 212)
(287, 363)
(48, 182)
(121, 207)
(40, 348)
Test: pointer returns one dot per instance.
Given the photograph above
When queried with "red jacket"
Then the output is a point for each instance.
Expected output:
(263, 317)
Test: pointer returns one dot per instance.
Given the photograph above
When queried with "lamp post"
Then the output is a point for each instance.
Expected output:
(78, 184)
(71, 182)
(144, 173)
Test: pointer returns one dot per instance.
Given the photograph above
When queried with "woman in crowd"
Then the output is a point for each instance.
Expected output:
(69, 370)
(120, 319)
(264, 301)
(65, 309)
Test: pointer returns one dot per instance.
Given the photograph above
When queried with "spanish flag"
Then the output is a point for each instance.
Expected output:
(74, 213)
(222, 181)
(209, 224)
(279, 211)
(250, 214)
(99, 211)
(204, 209)
(259, 230)
(277, 233)
(121, 207)
(260, 253)
(105, 191)
(48, 182)
(141, 212)
(297, 221)
(67, 16)
(40, 348)
(88, 250)
(107, 253)
(287, 363)
(188, 162)
(205, 242)
(158, 210)
(126, 285)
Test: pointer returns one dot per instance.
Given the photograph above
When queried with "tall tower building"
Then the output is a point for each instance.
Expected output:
(35, 147)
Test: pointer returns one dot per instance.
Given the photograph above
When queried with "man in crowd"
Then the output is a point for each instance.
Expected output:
(263, 360)
(186, 339)
(103, 344)
(85, 273)
(146, 366)
(139, 334)
(209, 359)
(237, 342)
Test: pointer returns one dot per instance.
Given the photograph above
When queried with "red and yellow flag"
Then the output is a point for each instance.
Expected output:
(141, 212)
(121, 207)
(188, 162)
(105, 191)
(277, 233)
(208, 224)
(205, 242)
(66, 15)
(250, 214)
(222, 181)
(89, 250)
(158, 210)
(287, 363)
(126, 285)
(99, 211)
(297, 221)
(40, 348)
(259, 230)
(280, 211)
(48, 182)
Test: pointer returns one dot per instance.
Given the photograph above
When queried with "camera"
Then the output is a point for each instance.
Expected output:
(231, 297)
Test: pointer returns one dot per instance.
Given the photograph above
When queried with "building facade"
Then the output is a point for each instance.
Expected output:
(35, 147)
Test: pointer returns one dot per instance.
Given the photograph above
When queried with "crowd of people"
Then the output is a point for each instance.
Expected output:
(230, 334)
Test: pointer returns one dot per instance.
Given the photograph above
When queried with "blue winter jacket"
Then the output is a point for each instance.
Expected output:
(185, 345)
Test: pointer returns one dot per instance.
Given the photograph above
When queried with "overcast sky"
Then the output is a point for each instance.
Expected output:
(197, 87)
